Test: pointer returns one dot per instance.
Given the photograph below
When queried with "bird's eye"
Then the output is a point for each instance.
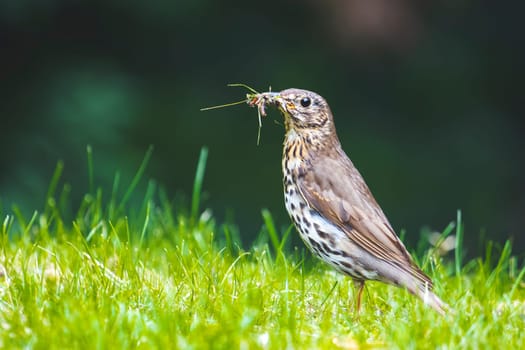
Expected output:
(305, 101)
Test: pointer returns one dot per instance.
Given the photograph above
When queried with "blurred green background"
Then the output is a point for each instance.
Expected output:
(427, 98)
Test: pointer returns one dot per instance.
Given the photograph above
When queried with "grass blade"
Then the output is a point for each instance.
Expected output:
(222, 106)
(285, 237)
(137, 177)
(244, 86)
(272, 232)
(459, 244)
(516, 283)
(197, 185)
(54, 183)
(146, 222)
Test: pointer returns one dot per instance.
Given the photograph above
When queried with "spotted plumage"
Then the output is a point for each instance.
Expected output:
(330, 204)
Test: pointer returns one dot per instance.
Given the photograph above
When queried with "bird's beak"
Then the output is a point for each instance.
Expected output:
(275, 98)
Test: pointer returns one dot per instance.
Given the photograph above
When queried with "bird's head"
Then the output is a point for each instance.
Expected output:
(304, 112)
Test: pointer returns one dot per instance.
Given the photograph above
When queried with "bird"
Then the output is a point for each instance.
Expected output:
(330, 204)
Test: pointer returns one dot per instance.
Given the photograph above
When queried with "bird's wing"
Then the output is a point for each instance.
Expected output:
(336, 190)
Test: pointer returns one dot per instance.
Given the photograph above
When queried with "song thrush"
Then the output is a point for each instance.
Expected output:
(330, 204)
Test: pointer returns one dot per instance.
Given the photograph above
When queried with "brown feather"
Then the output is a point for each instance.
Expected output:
(336, 190)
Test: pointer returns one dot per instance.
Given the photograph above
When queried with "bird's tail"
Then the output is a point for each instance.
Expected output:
(411, 277)
(419, 284)
(430, 298)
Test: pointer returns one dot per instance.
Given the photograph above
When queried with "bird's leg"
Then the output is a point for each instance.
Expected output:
(359, 285)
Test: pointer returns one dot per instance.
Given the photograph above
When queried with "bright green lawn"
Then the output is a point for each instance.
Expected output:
(156, 278)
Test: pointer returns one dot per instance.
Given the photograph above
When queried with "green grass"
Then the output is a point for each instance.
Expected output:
(159, 277)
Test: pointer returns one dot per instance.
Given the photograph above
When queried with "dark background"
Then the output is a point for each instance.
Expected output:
(427, 98)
